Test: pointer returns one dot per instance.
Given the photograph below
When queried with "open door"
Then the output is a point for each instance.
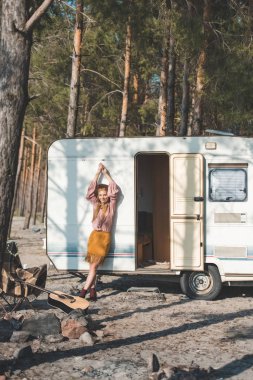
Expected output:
(186, 211)
(152, 210)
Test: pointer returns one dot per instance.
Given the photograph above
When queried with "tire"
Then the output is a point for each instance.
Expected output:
(204, 285)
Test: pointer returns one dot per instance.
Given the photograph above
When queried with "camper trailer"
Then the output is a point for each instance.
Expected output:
(185, 208)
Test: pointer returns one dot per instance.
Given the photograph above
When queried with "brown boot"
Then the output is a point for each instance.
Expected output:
(83, 293)
(93, 294)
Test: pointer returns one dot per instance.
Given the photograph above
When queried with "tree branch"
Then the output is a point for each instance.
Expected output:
(102, 97)
(37, 15)
(95, 72)
(74, 9)
(34, 97)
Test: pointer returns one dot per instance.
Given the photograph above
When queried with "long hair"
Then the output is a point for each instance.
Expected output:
(99, 205)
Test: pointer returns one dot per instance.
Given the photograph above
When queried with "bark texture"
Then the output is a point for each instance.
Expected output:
(14, 62)
(29, 191)
(185, 100)
(75, 75)
(197, 127)
(171, 86)
(15, 48)
(162, 105)
(17, 181)
(122, 128)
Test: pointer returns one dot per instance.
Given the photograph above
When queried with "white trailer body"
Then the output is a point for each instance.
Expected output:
(185, 207)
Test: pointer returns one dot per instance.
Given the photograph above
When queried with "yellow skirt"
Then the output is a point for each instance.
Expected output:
(98, 246)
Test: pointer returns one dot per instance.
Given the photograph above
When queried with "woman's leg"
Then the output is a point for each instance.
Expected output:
(90, 280)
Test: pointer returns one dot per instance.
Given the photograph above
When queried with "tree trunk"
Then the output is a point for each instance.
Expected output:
(44, 196)
(162, 104)
(29, 193)
(171, 87)
(15, 49)
(14, 62)
(23, 183)
(185, 101)
(36, 187)
(197, 127)
(75, 75)
(136, 88)
(17, 182)
(250, 11)
(122, 128)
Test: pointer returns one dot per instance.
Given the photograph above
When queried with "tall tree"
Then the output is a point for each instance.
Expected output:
(75, 75)
(171, 85)
(185, 100)
(17, 25)
(197, 125)
(123, 120)
(163, 96)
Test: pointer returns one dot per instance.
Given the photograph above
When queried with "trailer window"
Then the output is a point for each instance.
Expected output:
(227, 185)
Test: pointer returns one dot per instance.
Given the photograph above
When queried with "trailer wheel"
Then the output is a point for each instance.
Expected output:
(204, 285)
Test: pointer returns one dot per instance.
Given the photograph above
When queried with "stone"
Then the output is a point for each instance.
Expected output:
(86, 369)
(42, 325)
(20, 337)
(99, 333)
(17, 372)
(86, 338)
(78, 314)
(57, 338)
(169, 370)
(72, 329)
(74, 324)
(36, 344)
(17, 323)
(6, 330)
(23, 352)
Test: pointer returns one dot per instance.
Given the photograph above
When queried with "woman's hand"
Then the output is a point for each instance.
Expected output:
(100, 167)
(104, 170)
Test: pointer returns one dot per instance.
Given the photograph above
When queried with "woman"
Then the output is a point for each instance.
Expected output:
(104, 198)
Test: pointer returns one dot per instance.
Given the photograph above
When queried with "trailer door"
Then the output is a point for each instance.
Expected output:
(186, 211)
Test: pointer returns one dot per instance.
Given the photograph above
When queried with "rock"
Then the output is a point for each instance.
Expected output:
(36, 344)
(57, 338)
(86, 369)
(86, 338)
(79, 315)
(74, 324)
(169, 370)
(42, 325)
(20, 336)
(72, 329)
(16, 323)
(99, 333)
(6, 330)
(23, 352)
(17, 372)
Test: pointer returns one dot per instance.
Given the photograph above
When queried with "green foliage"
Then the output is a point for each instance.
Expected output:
(49, 79)
(228, 92)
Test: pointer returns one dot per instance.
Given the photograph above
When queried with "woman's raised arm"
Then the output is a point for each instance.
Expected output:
(92, 187)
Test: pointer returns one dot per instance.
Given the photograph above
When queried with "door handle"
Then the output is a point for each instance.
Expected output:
(198, 199)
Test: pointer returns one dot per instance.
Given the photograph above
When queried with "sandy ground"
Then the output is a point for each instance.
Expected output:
(134, 325)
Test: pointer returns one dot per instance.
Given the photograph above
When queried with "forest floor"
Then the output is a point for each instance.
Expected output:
(131, 326)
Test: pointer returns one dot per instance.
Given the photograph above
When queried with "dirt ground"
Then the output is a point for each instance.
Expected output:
(133, 326)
